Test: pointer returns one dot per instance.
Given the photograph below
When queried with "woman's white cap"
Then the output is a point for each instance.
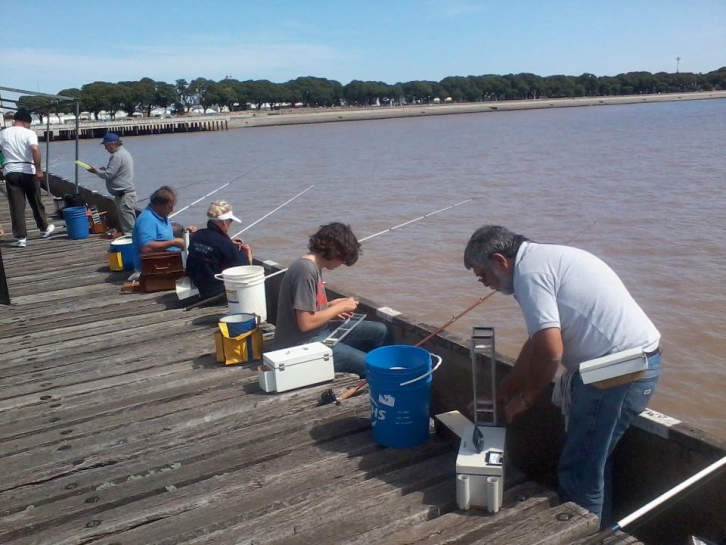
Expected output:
(228, 216)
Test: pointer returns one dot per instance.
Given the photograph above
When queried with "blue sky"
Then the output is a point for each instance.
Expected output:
(68, 43)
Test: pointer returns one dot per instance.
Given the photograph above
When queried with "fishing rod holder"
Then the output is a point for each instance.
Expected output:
(483, 364)
(480, 462)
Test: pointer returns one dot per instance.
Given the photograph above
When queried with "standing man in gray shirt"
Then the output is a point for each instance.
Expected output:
(119, 176)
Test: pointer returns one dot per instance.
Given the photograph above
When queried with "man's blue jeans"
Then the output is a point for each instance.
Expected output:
(597, 420)
(349, 355)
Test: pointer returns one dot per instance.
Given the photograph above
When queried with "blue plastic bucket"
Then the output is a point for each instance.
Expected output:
(399, 378)
(76, 222)
(126, 246)
(240, 323)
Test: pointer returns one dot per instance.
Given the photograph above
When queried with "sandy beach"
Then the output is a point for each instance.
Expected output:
(326, 115)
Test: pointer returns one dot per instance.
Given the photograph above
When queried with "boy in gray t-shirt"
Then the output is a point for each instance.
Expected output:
(305, 315)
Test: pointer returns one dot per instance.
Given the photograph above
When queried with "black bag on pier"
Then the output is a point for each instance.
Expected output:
(75, 200)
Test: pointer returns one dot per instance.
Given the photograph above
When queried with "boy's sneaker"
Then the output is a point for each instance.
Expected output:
(48, 231)
(21, 243)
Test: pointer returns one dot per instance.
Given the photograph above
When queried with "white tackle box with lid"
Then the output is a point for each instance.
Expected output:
(295, 367)
(613, 366)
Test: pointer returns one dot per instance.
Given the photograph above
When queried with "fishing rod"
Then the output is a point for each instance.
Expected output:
(709, 471)
(272, 212)
(328, 396)
(213, 192)
(177, 189)
(390, 229)
(413, 220)
(218, 297)
(215, 298)
(482, 299)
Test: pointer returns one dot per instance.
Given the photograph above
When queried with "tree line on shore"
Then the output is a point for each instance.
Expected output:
(146, 95)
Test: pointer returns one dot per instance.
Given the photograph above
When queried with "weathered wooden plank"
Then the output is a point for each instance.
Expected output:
(241, 416)
(620, 538)
(359, 526)
(227, 451)
(67, 294)
(561, 525)
(93, 405)
(193, 342)
(87, 367)
(111, 327)
(54, 271)
(109, 299)
(31, 434)
(268, 514)
(466, 526)
(60, 283)
(159, 374)
(289, 461)
(49, 318)
(100, 342)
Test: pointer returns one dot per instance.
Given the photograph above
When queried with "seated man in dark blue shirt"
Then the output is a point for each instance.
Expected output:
(211, 251)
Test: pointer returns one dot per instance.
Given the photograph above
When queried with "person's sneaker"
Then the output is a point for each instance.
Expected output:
(48, 231)
(135, 276)
(21, 243)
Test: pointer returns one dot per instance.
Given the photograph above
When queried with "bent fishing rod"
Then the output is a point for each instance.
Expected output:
(710, 472)
(391, 229)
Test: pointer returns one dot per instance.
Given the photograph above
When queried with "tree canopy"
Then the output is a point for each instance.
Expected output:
(146, 95)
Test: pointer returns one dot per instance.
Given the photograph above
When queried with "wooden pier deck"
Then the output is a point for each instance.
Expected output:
(117, 427)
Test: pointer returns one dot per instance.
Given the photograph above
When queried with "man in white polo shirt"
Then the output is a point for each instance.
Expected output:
(23, 172)
(576, 309)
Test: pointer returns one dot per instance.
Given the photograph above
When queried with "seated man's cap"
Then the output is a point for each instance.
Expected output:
(110, 137)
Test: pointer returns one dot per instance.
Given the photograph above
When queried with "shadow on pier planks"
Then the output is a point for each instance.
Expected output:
(117, 427)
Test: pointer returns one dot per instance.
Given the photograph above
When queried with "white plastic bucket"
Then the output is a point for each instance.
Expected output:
(245, 289)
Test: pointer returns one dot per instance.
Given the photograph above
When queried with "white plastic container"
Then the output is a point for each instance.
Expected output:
(296, 367)
(614, 365)
(480, 475)
(245, 289)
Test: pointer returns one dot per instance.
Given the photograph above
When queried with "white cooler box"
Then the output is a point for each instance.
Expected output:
(296, 367)
(480, 475)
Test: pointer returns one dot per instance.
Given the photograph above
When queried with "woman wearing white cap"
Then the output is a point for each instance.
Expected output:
(211, 251)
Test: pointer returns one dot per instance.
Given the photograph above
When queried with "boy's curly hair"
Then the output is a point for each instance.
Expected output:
(335, 241)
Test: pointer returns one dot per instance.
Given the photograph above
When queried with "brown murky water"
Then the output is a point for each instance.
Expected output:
(644, 182)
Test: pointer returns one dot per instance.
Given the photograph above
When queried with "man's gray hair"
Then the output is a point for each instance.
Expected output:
(487, 241)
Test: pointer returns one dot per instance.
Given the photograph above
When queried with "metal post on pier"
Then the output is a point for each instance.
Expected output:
(47, 152)
(78, 116)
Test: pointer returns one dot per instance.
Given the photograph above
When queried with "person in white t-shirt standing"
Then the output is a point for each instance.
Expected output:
(576, 309)
(23, 172)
